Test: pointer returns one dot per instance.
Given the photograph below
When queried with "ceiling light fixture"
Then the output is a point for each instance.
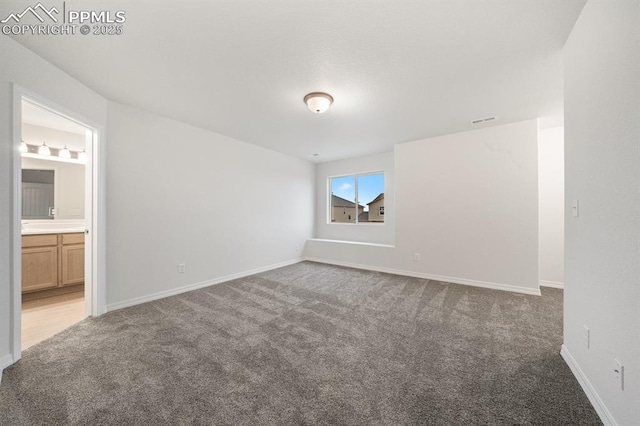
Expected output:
(23, 147)
(44, 149)
(318, 102)
(64, 153)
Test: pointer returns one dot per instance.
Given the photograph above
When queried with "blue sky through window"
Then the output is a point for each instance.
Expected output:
(369, 187)
(344, 187)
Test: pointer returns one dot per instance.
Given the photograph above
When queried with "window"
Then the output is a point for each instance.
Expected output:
(357, 198)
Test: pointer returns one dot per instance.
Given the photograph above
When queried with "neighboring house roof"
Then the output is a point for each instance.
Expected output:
(378, 198)
(363, 217)
(341, 202)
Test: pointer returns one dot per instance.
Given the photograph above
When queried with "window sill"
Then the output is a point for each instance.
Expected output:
(360, 243)
(359, 223)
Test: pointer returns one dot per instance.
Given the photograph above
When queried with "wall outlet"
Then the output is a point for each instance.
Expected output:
(618, 372)
(586, 336)
(182, 268)
(416, 257)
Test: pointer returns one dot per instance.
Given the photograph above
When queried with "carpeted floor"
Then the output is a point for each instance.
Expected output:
(307, 344)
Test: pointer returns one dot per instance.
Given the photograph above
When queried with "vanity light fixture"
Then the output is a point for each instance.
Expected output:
(44, 149)
(64, 153)
(23, 147)
(82, 156)
(318, 102)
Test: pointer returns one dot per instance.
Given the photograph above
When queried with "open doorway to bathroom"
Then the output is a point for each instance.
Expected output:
(55, 192)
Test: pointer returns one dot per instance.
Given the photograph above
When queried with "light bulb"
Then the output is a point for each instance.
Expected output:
(44, 149)
(64, 153)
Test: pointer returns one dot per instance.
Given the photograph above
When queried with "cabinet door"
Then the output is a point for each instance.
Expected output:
(39, 268)
(72, 264)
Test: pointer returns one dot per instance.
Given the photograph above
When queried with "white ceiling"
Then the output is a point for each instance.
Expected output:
(36, 115)
(398, 71)
(46, 126)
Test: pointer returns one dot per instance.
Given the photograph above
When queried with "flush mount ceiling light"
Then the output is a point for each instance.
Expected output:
(44, 149)
(318, 102)
(64, 153)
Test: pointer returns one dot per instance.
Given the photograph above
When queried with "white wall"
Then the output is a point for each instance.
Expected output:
(468, 204)
(373, 233)
(551, 205)
(179, 194)
(602, 171)
(23, 67)
(69, 186)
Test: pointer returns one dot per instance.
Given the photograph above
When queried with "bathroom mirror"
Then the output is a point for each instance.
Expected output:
(52, 190)
(38, 194)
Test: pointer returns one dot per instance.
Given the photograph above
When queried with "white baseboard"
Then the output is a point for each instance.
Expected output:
(594, 398)
(453, 280)
(552, 284)
(195, 286)
(5, 361)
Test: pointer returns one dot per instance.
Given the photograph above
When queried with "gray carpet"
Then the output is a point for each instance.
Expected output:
(307, 344)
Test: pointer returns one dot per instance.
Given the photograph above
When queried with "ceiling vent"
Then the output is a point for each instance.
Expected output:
(484, 120)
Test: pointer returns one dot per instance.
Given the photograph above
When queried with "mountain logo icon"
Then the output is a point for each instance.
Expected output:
(38, 11)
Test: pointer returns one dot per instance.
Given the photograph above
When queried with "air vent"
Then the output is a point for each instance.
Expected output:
(484, 120)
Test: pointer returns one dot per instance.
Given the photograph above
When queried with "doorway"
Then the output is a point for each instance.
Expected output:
(56, 212)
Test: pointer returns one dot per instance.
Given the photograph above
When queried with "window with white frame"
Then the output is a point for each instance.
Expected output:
(357, 198)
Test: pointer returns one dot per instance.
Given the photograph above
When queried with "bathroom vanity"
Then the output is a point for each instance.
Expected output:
(52, 258)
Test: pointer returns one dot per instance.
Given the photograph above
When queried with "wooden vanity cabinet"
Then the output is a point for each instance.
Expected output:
(72, 259)
(51, 261)
(39, 262)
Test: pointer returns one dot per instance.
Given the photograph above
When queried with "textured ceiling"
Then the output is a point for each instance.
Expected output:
(398, 71)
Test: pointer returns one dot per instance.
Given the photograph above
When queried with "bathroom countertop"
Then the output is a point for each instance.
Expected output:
(36, 227)
(52, 231)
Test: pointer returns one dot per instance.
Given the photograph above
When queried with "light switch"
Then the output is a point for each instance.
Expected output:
(575, 208)
(618, 372)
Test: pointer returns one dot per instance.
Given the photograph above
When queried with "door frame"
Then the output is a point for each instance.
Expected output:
(95, 222)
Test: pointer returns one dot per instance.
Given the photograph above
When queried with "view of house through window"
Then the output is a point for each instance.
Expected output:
(357, 198)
